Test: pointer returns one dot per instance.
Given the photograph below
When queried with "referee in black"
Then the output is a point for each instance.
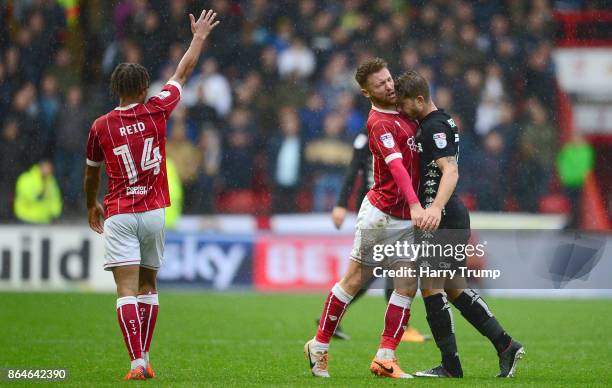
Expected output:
(447, 220)
(361, 166)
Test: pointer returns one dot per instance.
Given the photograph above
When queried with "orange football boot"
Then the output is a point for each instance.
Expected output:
(149, 374)
(413, 335)
(137, 373)
(388, 368)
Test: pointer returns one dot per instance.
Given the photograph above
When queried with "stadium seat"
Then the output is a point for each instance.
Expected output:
(555, 204)
(243, 201)
(469, 201)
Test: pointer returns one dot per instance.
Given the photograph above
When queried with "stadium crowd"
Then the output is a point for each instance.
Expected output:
(270, 115)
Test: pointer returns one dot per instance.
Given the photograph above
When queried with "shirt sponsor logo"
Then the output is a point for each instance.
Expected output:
(387, 140)
(137, 190)
(412, 144)
(440, 140)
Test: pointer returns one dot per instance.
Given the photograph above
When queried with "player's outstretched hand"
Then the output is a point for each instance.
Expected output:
(204, 25)
(338, 215)
(96, 218)
(431, 219)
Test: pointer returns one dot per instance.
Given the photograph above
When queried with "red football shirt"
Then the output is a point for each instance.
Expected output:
(131, 141)
(391, 136)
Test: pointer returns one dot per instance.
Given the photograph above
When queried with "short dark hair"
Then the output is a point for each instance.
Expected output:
(411, 85)
(368, 67)
(129, 80)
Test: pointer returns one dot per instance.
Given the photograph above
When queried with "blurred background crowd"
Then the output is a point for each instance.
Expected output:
(266, 123)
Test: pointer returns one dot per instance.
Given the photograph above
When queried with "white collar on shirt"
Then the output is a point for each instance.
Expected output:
(126, 107)
(384, 110)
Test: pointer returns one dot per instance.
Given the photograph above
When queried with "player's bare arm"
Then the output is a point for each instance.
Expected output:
(200, 29)
(448, 182)
(95, 210)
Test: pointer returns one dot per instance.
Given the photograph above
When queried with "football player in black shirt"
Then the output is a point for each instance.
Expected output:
(445, 215)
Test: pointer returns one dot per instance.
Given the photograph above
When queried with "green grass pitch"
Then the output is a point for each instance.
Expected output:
(246, 339)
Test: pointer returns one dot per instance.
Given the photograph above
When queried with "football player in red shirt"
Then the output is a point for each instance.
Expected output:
(130, 140)
(390, 205)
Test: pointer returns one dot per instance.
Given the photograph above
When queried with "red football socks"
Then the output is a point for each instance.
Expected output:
(396, 319)
(334, 309)
(129, 322)
(148, 307)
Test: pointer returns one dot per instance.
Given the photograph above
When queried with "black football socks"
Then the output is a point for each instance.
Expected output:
(475, 310)
(440, 319)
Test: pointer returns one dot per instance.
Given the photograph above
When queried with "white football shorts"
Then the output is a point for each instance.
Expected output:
(135, 239)
(375, 227)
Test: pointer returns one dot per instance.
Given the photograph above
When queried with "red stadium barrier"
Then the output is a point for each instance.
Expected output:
(580, 28)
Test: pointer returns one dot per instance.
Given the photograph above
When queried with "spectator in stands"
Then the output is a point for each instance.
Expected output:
(574, 163)
(337, 78)
(491, 190)
(297, 59)
(64, 70)
(237, 165)
(354, 119)
(181, 150)
(489, 109)
(211, 87)
(328, 156)
(537, 148)
(312, 116)
(509, 129)
(72, 129)
(12, 150)
(26, 112)
(540, 78)
(466, 98)
(37, 196)
(286, 161)
(6, 90)
(50, 103)
(201, 198)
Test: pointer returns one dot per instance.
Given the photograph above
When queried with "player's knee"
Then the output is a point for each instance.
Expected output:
(146, 286)
(147, 281)
(351, 283)
(409, 292)
(147, 289)
(126, 290)
(453, 293)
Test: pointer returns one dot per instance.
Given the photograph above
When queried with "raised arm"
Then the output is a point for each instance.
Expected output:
(200, 29)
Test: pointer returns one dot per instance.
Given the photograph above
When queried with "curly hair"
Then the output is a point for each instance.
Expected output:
(129, 80)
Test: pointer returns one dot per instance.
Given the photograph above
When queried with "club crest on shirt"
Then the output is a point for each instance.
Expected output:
(387, 140)
(440, 139)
